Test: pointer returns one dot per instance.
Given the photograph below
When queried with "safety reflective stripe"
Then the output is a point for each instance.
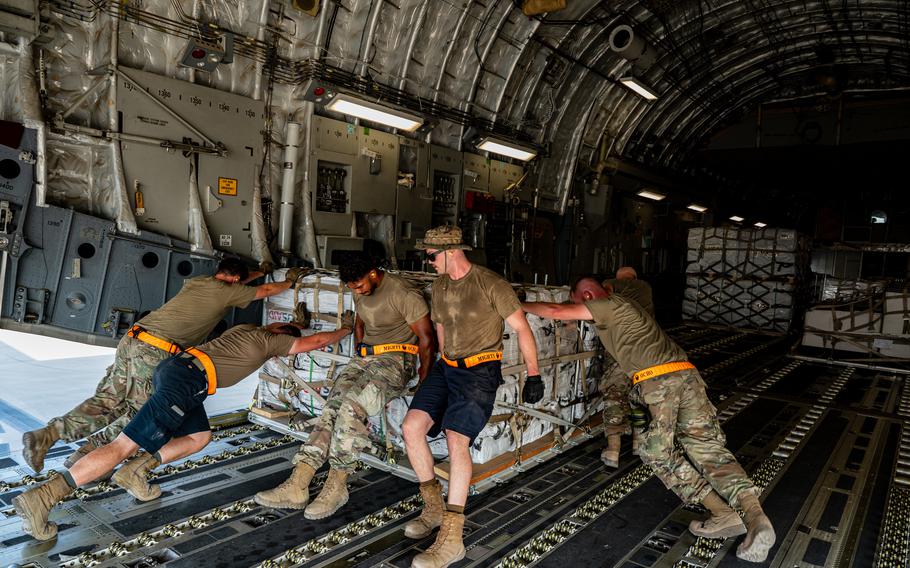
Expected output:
(139, 333)
(659, 370)
(473, 360)
(209, 367)
(388, 348)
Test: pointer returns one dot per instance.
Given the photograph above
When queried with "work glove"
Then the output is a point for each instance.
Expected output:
(266, 267)
(347, 319)
(294, 274)
(533, 391)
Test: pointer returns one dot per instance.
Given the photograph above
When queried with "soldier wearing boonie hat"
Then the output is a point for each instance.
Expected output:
(469, 305)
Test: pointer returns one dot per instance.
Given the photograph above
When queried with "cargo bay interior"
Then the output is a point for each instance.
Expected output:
(745, 157)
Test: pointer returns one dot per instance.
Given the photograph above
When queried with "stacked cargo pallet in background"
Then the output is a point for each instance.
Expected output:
(292, 390)
(746, 278)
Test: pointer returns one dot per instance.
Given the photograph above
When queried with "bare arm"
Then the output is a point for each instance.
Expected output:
(552, 310)
(271, 289)
(359, 330)
(426, 345)
(440, 338)
(318, 340)
(526, 342)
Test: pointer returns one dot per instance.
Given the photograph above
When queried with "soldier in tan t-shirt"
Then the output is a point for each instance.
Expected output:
(185, 320)
(470, 304)
(172, 424)
(393, 331)
(614, 385)
(672, 390)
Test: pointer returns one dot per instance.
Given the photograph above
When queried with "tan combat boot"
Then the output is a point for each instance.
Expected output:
(294, 493)
(431, 517)
(610, 454)
(333, 496)
(723, 523)
(34, 505)
(133, 476)
(36, 444)
(760, 535)
(448, 547)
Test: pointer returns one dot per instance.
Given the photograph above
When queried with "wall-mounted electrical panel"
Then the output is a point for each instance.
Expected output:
(375, 172)
(415, 196)
(446, 177)
(160, 108)
(476, 173)
(332, 159)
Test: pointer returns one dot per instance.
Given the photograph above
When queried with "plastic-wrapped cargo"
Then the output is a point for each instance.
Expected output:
(852, 326)
(323, 295)
(758, 304)
(755, 253)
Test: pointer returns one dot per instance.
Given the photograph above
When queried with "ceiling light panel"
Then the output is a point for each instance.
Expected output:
(737, 218)
(504, 148)
(351, 106)
(697, 207)
(639, 87)
(653, 195)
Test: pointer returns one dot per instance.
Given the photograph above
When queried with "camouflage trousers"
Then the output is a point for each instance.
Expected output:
(614, 385)
(118, 397)
(680, 411)
(360, 391)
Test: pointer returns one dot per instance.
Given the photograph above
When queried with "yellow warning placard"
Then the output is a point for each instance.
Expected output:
(227, 186)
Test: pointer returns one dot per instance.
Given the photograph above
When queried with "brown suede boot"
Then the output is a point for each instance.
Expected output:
(294, 493)
(760, 535)
(84, 450)
(610, 454)
(724, 522)
(431, 517)
(333, 496)
(36, 444)
(448, 547)
(133, 476)
(34, 505)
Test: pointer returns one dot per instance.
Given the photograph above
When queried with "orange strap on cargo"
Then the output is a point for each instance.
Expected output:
(473, 360)
(388, 348)
(659, 370)
(137, 332)
(209, 367)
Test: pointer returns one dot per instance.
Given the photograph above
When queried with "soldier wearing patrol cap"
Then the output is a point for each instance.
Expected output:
(172, 424)
(393, 332)
(185, 320)
(669, 386)
(469, 306)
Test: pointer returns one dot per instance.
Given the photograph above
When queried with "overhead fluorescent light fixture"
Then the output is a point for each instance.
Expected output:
(346, 104)
(761, 225)
(697, 207)
(737, 219)
(639, 87)
(647, 193)
(504, 148)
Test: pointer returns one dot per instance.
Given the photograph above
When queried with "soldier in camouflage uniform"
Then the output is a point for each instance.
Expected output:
(703, 470)
(186, 320)
(393, 331)
(614, 383)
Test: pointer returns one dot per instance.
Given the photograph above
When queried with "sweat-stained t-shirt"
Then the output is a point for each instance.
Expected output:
(189, 317)
(471, 311)
(388, 311)
(631, 336)
(241, 350)
(637, 290)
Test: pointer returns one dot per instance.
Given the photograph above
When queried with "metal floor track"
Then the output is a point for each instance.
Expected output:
(828, 445)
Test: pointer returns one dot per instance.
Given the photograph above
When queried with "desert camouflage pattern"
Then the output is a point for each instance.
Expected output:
(681, 412)
(125, 387)
(360, 391)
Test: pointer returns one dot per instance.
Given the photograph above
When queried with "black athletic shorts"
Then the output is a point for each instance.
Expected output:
(175, 409)
(459, 399)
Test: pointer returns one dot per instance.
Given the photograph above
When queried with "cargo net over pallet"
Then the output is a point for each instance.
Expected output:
(873, 328)
(746, 278)
(293, 390)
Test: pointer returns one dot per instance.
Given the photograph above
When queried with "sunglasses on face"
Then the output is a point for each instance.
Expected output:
(431, 256)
